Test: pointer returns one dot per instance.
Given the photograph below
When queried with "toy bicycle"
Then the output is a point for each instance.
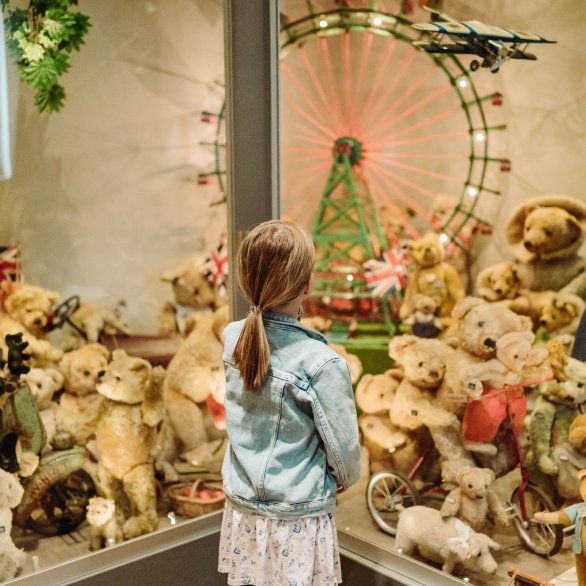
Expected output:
(57, 492)
(389, 492)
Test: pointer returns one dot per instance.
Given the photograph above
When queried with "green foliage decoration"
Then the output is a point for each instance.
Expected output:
(42, 37)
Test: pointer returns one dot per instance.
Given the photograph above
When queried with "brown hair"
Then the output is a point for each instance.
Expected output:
(275, 261)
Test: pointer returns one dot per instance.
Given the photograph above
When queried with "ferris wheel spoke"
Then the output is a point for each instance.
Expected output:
(304, 93)
(347, 77)
(395, 155)
(393, 122)
(387, 176)
(383, 100)
(314, 122)
(378, 78)
(440, 136)
(389, 160)
(427, 121)
(309, 135)
(365, 50)
(326, 104)
(334, 101)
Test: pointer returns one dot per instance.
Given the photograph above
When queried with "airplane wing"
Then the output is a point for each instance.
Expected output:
(450, 48)
(523, 55)
(479, 30)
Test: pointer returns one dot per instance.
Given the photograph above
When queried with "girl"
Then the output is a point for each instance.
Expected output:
(291, 422)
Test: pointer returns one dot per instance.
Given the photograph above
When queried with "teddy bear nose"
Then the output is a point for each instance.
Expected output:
(543, 322)
(101, 374)
(490, 343)
(498, 290)
(38, 321)
(433, 373)
(528, 244)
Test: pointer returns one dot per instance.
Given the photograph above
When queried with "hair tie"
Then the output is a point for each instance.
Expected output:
(255, 309)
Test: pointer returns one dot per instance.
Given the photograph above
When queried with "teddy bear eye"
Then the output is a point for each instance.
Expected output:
(481, 324)
(470, 485)
(421, 364)
(86, 373)
(478, 554)
(516, 356)
(580, 385)
(118, 378)
(548, 231)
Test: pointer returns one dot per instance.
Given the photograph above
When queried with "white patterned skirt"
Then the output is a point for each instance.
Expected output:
(271, 552)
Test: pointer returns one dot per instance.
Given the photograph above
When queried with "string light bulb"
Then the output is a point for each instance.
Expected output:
(479, 136)
(472, 191)
(377, 21)
(462, 82)
(323, 23)
(444, 237)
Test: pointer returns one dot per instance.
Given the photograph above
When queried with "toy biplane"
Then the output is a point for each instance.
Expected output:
(493, 44)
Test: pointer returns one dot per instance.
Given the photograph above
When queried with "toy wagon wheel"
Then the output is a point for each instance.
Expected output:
(388, 493)
(63, 312)
(63, 506)
(542, 539)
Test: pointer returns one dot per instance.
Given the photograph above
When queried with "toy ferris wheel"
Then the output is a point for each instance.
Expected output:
(380, 141)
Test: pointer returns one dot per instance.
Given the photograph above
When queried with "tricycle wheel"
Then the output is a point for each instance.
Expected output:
(542, 539)
(62, 508)
(388, 494)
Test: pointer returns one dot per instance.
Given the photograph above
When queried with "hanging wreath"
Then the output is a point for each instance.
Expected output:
(42, 37)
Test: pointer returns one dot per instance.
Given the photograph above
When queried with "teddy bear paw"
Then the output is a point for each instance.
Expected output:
(548, 466)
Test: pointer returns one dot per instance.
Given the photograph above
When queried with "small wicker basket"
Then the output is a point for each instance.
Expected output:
(186, 503)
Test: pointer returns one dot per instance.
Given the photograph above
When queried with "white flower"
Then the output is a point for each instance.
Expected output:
(52, 27)
(46, 41)
(34, 52)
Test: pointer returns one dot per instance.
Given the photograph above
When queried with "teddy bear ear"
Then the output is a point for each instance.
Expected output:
(526, 323)
(465, 305)
(399, 344)
(101, 349)
(119, 354)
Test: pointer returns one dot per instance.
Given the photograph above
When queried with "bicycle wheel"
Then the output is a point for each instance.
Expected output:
(544, 540)
(388, 493)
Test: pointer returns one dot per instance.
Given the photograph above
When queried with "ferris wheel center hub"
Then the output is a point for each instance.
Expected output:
(347, 146)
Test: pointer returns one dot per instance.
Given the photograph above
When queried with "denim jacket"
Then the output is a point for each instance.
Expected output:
(291, 441)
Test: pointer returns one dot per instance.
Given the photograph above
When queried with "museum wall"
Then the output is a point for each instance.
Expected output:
(104, 194)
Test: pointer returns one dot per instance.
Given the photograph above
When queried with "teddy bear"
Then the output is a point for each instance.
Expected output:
(448, 541)
(126, 437)
(191, 291)
(478, 326)
(424, 321)
(557, 406)
(389, 447)
(91, 320)
(194, 385)
(544, 235)
(11, 558)
(560, 313)
(102, 518)
(78, 408)
(473, 500)
(31, 306)
(413, 406)
(570, 457)
(431, 276)
(354, 363)
(498, 282)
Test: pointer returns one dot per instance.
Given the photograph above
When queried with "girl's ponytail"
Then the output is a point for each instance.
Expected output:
(252, 353)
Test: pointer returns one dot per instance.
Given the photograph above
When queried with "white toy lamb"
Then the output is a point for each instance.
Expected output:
(11, 558)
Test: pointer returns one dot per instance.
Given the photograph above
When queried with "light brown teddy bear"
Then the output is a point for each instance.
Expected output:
(545, 235)
(570, 457)
(191, 291)
(77, 412)
(473, 500)
(479, 325)
(32, 307)
(126, 436)
(498, 282)
(431, 276)
(94, 319)
(414, 405)
(105, 529)
(11, 558)
(389, 447)
(194, 387)
(354, 363)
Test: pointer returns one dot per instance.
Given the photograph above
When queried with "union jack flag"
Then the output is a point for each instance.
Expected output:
(10, 264)
(215, 266)
(387, 273)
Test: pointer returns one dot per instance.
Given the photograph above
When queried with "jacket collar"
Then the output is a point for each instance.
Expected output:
(275, 316)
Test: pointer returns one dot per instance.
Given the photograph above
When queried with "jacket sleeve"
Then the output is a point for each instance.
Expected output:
(335, 416)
